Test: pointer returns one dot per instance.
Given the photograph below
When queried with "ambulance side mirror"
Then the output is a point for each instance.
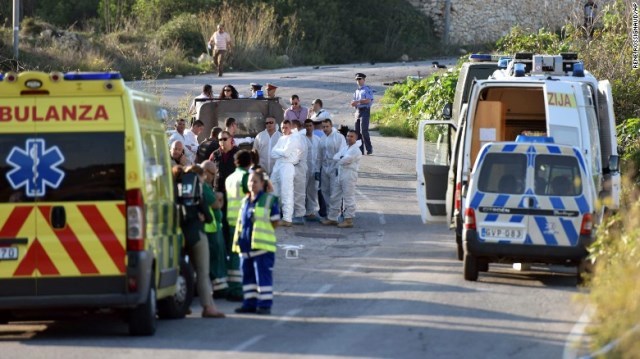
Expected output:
(446, 110)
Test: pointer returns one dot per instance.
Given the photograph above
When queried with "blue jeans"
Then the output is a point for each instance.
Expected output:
(362, 128)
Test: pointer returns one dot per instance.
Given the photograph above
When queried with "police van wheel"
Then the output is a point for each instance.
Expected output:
(177, 306)
(142, 319)
(483, 264)
(5, 317)
(470, 267)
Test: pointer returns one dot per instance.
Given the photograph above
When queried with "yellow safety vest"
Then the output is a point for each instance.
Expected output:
(235, 194)
(263, 235)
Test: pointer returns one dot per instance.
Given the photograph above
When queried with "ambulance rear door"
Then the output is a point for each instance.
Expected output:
(19, 246)
(80, 218)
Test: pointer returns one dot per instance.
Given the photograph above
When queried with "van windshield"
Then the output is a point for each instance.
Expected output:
(503, 173)
(557, 176)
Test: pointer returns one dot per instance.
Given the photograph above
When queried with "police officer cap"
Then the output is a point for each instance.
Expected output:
(360, 75)
(256, 86)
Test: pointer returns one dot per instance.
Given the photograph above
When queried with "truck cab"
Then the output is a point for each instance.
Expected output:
(535, 95)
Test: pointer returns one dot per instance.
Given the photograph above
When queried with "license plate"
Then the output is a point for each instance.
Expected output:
(8, 253)
(501, 233)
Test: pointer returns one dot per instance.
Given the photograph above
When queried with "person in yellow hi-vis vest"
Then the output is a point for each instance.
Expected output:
(236, 185)
(255, 240)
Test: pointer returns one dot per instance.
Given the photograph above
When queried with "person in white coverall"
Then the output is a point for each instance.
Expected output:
(313, 167)
(300, 178)
(286, 153)
(265, 142)
(348, 159)
(329, 146)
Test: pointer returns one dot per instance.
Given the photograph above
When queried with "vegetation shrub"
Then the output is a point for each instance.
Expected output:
(181, 31)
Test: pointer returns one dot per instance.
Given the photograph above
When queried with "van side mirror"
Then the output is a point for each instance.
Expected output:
(614, 163)
(446, 110)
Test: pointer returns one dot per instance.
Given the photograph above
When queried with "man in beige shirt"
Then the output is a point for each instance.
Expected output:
(221, 41)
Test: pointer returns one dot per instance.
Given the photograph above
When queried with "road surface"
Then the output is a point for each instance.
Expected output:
(389, 288)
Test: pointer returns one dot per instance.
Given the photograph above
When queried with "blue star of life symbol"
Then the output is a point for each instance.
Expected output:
(35, 167)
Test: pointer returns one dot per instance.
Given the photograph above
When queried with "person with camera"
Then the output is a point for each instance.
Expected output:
(255, 241)
(194, 214)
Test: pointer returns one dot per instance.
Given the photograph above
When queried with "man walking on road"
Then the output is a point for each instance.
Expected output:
(348, 163)
(362, 101)
(221, 44)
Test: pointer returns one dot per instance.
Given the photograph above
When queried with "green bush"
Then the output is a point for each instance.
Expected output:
(404, 105)
(181, 31)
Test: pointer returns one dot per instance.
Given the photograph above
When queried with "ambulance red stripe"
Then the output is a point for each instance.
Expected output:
(36, 258)
(72, 245)
(123, 210)
(15, 221)
(105, 235)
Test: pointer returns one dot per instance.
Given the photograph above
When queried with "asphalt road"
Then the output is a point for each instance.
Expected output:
(389, 288)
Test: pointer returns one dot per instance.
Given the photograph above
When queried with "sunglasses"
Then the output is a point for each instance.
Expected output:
(295, 103)
(269, 122)
(227, 90)
(223, 139)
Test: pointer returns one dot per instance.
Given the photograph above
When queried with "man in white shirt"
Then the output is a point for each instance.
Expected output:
(264, 143)
(206, 95)
(191, 141)
(221, 44)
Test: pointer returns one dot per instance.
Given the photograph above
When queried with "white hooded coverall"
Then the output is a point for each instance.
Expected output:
(313, 165)
(348, 159)
(264, 145)
(300, 178)
(329, 146)
(286, 153)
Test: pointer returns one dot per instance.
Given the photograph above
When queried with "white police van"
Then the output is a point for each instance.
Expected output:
(529, 201)
(542, 95)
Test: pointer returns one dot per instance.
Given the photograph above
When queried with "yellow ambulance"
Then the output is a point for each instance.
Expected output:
(87, 212)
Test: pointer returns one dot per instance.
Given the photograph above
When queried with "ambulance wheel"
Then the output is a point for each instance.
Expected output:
(142, 319)
(470, 267)
(177, 305)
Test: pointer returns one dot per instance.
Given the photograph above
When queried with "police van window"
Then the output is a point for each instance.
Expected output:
(503, 173)
(557, 176)
(55, 167)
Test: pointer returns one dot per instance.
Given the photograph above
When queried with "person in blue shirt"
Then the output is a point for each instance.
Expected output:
(255, 240)
(362, 101)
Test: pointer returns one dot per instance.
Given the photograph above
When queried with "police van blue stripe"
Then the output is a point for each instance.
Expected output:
(509, 148)
(477, 198)
(579, 157)
(570, 231)
(528, 240)
(549, 239)
(491, 217)
(516, 219)
(554, 149)
(556, 203)
(583, 206)
(501, 200)
(482, 154)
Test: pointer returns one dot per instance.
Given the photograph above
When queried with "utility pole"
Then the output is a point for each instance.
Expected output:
(16, 29)
(447, 22)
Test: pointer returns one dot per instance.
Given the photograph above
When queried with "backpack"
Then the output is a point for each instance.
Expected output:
(189, 195)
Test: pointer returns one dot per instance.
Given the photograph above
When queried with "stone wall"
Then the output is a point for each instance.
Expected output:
(485, 21)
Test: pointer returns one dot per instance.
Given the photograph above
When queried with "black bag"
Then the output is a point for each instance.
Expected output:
(190, 197)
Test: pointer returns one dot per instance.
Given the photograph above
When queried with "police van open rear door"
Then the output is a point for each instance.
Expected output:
(609, 144)
(433, 161)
